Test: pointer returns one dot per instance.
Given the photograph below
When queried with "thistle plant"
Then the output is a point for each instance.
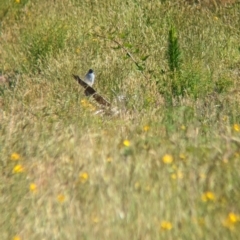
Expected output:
(174, 53)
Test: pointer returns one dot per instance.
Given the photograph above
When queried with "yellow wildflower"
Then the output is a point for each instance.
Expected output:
(18, 169)
(177, 175)
(17, 1)
(84, 103)
(183, 127)
(83, 177)
(15, 156)
(225, 160)
(231, 220)
(236, 154)
(236, 127)
(167, 159)
(91, 107)
(208, 196)
(16, 238)
(180, 174)
(33, 187)
(126, 143)
(78, 50)
(174, 176)
(109, 159)
(146, 128)
(165, 225)
(61, 198)
(87, 104)
(202, 175)
(95, 219)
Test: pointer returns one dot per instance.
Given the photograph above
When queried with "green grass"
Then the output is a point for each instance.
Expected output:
(181, 101)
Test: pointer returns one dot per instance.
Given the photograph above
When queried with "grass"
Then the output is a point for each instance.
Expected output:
(165, 167)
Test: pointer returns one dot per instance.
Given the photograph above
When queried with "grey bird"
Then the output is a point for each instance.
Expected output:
(89, 77)
(89, 91)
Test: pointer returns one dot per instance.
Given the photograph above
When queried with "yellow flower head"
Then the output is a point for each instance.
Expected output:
(126, 143)
(236, 127)
(17, 1)
(109, 159)
(61, 198)
(91, 107)
(146, 128)
(177, 175)
(16, 238)
(18, 169)
(236, 154)
(208, 196)
(183, 127)
(95, 219)
(84, 102)
(225, 160)
(174, 176)
(165, 225)
(202, 175)
(167, 159)
(15, 156)
(83, 177)
(231, 220)
(33, 187)
(180, 174)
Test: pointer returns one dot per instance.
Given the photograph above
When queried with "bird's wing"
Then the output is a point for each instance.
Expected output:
(89, 91)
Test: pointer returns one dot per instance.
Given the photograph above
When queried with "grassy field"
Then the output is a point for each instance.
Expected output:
(166, 166)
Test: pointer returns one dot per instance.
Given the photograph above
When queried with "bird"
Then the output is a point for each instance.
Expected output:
(89, 77)
(89, 91)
